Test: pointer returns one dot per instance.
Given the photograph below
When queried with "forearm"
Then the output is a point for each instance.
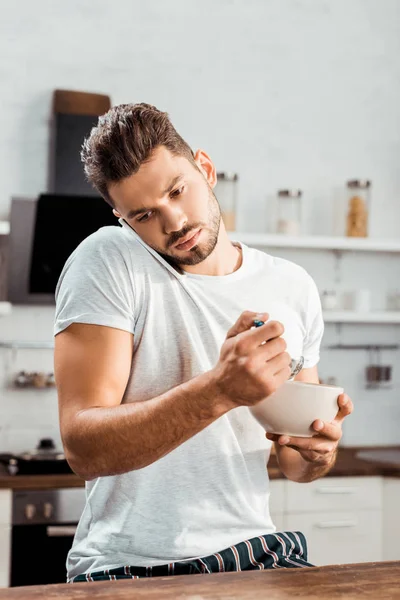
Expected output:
(112, 440)
(296, 468)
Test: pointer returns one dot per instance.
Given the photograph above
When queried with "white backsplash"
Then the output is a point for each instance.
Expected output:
(26, 415)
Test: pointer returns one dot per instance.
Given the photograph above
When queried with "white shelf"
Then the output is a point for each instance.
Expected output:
(263, 240)
(355, 317)
(18, 344)
(4, 227)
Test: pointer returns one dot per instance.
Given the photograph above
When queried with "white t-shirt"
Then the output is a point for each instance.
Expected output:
(213, 490)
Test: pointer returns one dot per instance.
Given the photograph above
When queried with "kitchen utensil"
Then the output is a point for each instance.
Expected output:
(295, 405)
(45, 459)
(376, 374)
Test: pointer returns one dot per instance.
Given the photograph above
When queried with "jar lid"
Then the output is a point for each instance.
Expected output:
(290, 193)
(359, 183)
(228, 176)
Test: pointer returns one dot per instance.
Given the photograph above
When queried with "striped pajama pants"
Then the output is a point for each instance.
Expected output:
(286, 549)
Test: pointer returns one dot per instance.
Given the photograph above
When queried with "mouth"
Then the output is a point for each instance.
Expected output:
(189, 242)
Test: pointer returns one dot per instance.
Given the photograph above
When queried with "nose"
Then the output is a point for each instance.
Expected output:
(174, 219)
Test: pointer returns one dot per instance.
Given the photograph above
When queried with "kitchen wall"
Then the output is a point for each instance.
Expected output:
(288, 93)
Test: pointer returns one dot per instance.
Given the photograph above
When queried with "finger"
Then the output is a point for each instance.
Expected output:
(282, 376)
(346, 407)
(331, 431)
(315, 444)
(270, 349)
(277, 366)
(268, 331)
(245, 322)
(248, 341)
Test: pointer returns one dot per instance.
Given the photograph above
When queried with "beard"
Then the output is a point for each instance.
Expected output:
(201, 251)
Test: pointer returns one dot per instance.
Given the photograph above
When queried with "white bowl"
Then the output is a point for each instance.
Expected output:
(293, 408)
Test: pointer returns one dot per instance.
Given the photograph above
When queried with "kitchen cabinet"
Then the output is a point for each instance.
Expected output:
(341, 517)
(3, 263)
(5, 536)
(335, 493)
(345, 519)
(340, 537)
(391, 519)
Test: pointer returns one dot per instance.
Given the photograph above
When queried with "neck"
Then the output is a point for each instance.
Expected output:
(223, 260)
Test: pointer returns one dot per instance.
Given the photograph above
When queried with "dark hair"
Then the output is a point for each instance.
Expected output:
(124, 139)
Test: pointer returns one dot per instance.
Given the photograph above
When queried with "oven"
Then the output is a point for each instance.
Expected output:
(43, 528)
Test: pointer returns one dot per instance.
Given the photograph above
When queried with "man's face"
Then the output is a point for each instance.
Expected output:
(167, 202)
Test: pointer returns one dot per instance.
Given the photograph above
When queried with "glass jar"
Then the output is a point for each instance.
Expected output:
(289, 212)
(393, 300)
(329, 300)
(226, 193)
(358, 206)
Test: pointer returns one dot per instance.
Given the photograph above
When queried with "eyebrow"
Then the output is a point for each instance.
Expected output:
(144, 209)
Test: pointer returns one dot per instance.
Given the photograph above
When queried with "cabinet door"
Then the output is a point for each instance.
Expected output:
(3, 266)
(391, 519)
(5, 536)
(335, 494)
(340, 537)
(5, 507)
(5, 552)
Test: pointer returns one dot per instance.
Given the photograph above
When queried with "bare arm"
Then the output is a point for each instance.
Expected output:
(102, 437)
(306, 459)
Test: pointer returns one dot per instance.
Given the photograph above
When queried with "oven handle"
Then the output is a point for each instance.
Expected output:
(60, 530)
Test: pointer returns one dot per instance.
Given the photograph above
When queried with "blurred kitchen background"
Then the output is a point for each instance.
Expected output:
(301, 95)
(298, 104)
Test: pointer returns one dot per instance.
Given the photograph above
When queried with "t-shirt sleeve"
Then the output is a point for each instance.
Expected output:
(96, 285)
(314, 326)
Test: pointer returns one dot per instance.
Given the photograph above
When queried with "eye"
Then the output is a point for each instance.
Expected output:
(177, 192)
(145, 217)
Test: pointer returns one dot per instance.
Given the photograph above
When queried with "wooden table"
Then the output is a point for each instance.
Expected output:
(380, 581)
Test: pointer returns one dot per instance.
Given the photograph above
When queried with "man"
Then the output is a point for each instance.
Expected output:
(157, 362)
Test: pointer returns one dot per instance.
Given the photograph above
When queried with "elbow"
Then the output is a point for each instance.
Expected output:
(91, 464)
(82, 467)
(80, 458)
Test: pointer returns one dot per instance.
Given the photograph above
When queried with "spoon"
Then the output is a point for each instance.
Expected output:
(296, 363)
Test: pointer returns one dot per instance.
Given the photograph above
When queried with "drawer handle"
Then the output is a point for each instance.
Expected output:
(334, 524)
(336, 490)
(60, 531)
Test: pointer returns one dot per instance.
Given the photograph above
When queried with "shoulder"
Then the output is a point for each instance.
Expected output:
(104, 240)
(95, 258)
(108, 247)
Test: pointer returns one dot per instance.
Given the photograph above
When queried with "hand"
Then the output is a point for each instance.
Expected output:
(321, 448)
(253, 363)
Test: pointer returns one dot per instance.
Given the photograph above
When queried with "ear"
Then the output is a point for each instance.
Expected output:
(117, 214)
(206, 166)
